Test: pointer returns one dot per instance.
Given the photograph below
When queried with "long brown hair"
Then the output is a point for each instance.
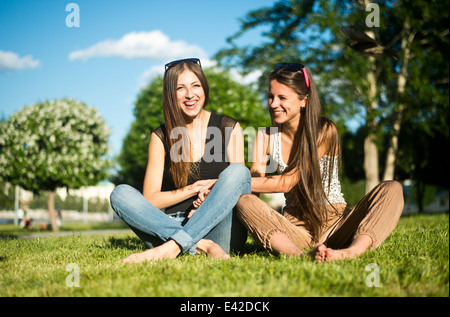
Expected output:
(313, 131)
(174, 118)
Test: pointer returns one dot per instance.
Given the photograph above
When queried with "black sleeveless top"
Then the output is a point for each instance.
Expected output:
(213, 162)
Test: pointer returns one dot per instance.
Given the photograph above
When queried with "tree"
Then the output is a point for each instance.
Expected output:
(60, 143)
(226, 96)
(418, 84)
(380, 89)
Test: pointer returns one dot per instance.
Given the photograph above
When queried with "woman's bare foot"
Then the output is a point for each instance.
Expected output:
(341, 254)
(212, 249)
(358, 247)
(319, 252)
(168, 250)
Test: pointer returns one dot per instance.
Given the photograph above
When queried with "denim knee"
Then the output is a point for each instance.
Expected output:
(120, 194)
(236, 171)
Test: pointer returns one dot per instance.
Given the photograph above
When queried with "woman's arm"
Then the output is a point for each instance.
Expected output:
(260, 182)
(261, 148)
(274, 184)
(154, 176)
(328, 144)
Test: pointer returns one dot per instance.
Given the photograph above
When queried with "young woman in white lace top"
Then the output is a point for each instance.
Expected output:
(304, 149)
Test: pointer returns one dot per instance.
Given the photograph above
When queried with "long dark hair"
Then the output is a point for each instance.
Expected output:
(174, 118)
(313, 131)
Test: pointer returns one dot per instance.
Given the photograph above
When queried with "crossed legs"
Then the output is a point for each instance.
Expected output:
(149, 222)
(364, 227)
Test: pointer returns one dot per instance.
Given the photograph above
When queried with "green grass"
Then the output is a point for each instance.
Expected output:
(413, 261)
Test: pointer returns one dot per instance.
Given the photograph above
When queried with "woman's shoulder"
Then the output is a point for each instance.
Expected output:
(160, 131)
(223, 121)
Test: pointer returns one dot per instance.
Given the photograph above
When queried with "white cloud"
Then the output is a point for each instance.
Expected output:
(12, 61)
(150, 44)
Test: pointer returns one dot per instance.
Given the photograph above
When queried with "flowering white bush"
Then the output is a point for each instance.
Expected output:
(60, 143)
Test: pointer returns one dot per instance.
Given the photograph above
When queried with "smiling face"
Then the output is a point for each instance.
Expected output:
(284, 103)
(190, 94)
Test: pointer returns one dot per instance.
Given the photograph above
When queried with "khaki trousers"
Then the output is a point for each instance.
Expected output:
(376, 215)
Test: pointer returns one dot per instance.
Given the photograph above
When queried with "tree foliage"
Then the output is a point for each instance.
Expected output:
(226, 96)
(309, 32)
(60, 143)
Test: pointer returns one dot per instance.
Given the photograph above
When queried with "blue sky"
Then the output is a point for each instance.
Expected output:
(115, 51)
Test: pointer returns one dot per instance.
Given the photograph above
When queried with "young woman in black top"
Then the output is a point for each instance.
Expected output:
(194, 149)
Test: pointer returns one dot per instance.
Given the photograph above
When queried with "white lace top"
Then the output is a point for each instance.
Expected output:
(334, 194)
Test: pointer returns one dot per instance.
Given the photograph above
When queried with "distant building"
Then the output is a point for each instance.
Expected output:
(100, 191)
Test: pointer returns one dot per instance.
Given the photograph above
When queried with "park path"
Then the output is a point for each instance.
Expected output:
(70, 233)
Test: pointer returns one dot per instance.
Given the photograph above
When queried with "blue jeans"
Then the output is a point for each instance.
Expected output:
(213, 220)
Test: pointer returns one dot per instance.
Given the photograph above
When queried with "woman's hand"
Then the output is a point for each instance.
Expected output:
(198, 202)
(203, 187)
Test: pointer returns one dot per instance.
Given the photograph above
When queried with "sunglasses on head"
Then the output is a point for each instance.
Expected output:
(293, 67)
(174, 63)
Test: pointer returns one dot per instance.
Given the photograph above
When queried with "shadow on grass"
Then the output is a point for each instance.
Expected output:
(6, 236)
(130, 243)
(135, 243)
(251, 247)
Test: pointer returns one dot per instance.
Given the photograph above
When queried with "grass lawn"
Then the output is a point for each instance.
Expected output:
(413, 261)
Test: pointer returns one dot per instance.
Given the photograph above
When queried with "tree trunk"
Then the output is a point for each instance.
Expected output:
(407, 39)
(51, 210)
(370, 147)
(371, 162)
